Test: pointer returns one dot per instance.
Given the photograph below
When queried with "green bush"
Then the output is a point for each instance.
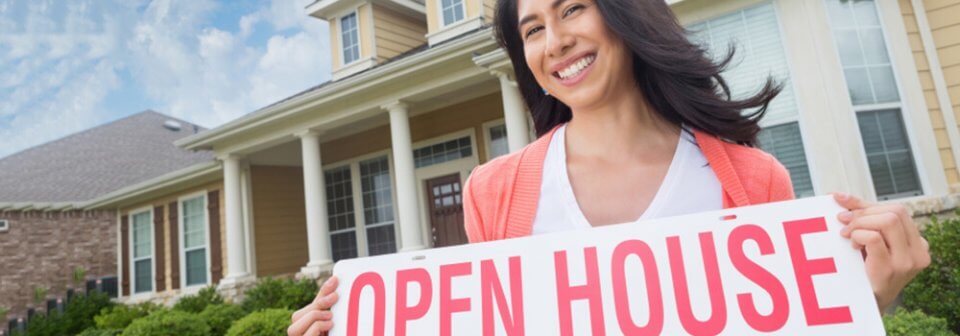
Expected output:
(196, 303)
(168, 322)
(220, 317)
(76, 317)
(268, 322)
(911, 323)
(274, 293)
(100, 332)
(120, 316)
(936, 290)
(46, 325)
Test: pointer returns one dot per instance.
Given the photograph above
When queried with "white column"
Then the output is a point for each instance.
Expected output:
(236, 249)
(514, 113)
(410, 234)
(318, 233)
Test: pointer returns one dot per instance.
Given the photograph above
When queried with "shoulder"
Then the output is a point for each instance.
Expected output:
(763, 176)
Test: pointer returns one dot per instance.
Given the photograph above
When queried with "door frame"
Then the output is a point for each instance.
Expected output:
(463, 166)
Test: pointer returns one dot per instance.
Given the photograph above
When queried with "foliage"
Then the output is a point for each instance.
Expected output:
(220, 316)
(196, 303)
(40, 294)
(274, 293)
(168, 322)
(79, 274)
(76, 317)
(120, 316)
(100, 332)
(46, 325)
(936, 290)
(910, 323)
(267, 322)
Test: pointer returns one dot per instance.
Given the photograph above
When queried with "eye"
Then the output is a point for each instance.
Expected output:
(572, 9)
(533, 30)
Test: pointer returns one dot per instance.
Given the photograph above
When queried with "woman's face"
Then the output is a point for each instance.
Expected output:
(571, 52)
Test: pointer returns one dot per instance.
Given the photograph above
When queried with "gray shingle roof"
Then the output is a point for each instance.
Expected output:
(91, 163)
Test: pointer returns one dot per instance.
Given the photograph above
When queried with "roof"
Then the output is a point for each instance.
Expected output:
(94, 162)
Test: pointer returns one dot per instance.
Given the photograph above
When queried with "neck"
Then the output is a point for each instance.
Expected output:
(626, 126)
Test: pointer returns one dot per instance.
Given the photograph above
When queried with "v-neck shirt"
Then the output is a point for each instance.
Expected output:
(690, 186)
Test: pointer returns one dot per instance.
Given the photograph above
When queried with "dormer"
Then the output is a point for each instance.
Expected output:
(451, 18)
(364, 33)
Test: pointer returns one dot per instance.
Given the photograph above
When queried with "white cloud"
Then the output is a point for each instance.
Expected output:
(60, 60)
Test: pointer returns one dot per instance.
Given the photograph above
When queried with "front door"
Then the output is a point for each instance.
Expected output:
(446, 211)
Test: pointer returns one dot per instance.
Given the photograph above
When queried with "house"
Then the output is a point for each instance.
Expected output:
(373, 161)
(47, 231)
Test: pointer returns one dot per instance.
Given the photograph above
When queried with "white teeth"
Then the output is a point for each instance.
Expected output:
(575, 68)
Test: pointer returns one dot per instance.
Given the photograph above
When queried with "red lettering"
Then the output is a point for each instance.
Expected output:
(375, 282)
(449, 305)
(405, 312)
(492, 290)
(718, 310)
(760, 276)
(621, 299)
(590, 292)
(804, 269)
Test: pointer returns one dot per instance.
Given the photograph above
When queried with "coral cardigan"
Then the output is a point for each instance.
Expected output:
(500, 197)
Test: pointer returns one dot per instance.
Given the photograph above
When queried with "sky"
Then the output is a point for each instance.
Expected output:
(66, 66)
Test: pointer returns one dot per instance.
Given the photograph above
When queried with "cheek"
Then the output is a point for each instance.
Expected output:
(534, 58)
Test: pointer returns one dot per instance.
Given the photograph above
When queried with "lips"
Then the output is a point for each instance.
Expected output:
(575, 67)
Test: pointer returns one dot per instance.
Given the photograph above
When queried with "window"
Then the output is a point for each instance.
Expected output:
(755, 33)
(498, 141)
(340, 215)
(193, 219)
(142, 238)
(378, 206)
(452, 11)
(873, 90)
(350, 38)
(4, 225)
(442, 152)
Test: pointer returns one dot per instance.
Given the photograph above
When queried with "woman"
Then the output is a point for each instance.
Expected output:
(635, 122)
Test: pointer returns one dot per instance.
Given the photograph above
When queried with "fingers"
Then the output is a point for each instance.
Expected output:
(873, 242)
(319, 328)
(306, 321)
(329, 287)
(909, 227)
(887, 223)
(850, 202)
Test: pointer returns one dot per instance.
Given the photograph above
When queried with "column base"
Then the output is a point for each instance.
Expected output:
(233, 287)
(323, 269)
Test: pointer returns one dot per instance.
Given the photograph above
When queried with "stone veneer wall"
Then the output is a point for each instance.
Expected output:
(42, 249)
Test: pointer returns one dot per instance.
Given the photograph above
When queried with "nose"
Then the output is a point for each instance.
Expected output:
(559, 40)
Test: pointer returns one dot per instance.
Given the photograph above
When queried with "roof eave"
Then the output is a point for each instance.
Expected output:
(119, 197)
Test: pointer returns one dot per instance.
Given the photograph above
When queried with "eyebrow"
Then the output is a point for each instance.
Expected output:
(531, 17)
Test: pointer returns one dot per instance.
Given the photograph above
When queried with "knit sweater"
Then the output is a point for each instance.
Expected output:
(500, 197)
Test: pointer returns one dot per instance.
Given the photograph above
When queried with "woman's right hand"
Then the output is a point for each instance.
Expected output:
(315, 318)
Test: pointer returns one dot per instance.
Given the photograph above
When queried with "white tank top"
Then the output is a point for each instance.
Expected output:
(690, 186)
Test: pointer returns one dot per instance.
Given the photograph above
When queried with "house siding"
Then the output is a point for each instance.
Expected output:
(946, 32)
(396, 33)
(280, 223)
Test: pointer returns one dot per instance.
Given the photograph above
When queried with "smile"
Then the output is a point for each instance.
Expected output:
(576, 68)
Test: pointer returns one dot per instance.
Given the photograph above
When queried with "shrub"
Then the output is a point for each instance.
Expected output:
(120, 316)
(267, 322)
(910, 323)
(219, 317)
(285, 294)
(100, 332)
(76, 317)
(168, 322)
(46, 325)
(936, 290)
(196, 303)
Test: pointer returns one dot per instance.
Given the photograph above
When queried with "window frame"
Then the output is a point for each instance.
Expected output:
(805, 136)
(343, 59)
(901, 104)
(442, 18)
(357, 198)
(4, 225)
(183, 238)
(133, 259)
(487, 139)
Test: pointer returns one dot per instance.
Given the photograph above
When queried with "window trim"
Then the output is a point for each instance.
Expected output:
(463, 133)
(343, 59)
(463, 7)
(134, 295)
(355, 184)
(4, 225)
(181, 249)
(904, 102)
(487, 143)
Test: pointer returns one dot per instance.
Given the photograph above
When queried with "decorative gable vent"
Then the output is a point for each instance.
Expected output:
(4, 225)
(172, 125)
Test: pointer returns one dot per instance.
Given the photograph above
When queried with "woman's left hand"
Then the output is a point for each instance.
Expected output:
(894, 250)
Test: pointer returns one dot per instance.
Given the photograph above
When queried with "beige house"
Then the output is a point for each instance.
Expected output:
(373, 161)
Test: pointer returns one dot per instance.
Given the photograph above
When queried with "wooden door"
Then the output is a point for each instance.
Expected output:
(446, 211)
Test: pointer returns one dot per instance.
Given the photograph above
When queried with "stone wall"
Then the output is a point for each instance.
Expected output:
(42, 249)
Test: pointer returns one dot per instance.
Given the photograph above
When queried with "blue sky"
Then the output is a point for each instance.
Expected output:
(66, 66)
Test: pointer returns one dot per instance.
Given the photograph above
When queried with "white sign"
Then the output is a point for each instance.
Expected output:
(779, 267)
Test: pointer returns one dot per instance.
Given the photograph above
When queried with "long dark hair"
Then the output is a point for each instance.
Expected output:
(678, 77)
